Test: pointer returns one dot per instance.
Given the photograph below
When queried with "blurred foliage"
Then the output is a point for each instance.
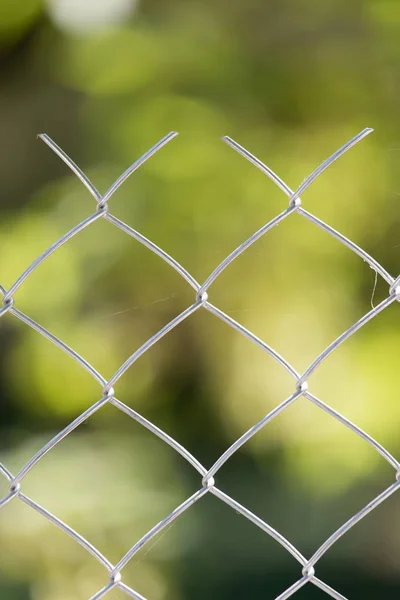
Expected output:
(17, 18)
(291, 81)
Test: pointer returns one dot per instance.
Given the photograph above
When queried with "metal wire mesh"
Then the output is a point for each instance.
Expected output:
(207, 484)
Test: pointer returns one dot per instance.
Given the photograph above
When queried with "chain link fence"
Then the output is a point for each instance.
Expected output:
(207, 482)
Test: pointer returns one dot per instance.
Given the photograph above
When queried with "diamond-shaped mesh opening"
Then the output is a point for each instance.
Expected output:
(239, 548)
(92, 475)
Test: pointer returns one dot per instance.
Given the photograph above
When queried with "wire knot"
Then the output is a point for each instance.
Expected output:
(202, 296)
(295, 202)
(395, 291)
(102, 207)
(8, 303)
(208, 482)
(15, 487)
(108, 392)
(308, 571)
(302, 386)
(115, 577)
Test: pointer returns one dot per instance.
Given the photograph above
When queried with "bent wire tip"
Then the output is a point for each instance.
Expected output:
(47, 140)
(364, 132)
(227, 139)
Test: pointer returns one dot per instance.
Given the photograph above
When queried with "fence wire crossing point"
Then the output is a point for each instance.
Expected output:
(108, 394)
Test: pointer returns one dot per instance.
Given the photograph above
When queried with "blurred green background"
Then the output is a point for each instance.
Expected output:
(292, 81)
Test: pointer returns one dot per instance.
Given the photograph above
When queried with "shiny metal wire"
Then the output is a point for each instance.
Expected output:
(107, 393)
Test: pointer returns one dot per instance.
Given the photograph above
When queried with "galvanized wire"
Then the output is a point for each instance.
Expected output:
(207, 484)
